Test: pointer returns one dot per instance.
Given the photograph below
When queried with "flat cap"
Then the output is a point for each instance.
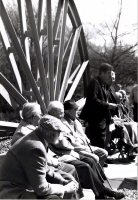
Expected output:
(50, 123)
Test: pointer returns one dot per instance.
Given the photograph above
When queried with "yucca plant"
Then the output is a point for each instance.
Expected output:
(40, 52)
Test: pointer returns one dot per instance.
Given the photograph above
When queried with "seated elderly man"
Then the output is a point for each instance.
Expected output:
(31, 114)
(75, 131)
(79, 139)
(89, 174)
(24, 173)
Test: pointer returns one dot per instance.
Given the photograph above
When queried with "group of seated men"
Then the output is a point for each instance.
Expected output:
(52, 158)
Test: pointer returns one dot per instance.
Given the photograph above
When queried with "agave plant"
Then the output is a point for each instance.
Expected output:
(40, 34)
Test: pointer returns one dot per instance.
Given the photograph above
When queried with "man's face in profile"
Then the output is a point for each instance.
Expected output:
(109, 77)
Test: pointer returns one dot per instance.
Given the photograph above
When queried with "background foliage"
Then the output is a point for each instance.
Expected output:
(121, 56)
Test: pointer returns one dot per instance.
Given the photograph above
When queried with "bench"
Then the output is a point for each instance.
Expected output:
(7, 128)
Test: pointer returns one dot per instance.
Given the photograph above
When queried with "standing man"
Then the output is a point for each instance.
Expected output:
(96, 110)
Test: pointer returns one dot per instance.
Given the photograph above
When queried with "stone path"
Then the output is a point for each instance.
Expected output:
(116, 174)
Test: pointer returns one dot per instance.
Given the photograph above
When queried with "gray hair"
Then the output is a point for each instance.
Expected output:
(123, 92)
(55, 108)
(29, 110)
(55, 105)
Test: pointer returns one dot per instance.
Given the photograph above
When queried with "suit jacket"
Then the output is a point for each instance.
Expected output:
(25, 167)
(23, 129)
(76, 131)
(96, 108)
(112, 99)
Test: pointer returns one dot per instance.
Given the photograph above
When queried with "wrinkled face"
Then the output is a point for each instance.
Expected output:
(59, 138)
(37, 116)
(54, 137)
(119, 98)
(59, 113)
(71, 113)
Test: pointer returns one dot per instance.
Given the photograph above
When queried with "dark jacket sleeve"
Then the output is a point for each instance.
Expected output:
(96, 96)
(96, 106)
(54, 177)
(35, 167)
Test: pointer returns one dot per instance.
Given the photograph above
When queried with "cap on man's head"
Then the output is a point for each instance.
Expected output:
(30, 109)
(70, 104)
(51, 123)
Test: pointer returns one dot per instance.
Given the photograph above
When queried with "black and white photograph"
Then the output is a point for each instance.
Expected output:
(68, 99)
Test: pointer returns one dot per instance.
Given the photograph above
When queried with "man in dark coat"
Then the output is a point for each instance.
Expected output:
(96, 110)
(25, 174)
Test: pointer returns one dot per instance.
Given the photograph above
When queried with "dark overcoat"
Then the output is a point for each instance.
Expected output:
(25, 168)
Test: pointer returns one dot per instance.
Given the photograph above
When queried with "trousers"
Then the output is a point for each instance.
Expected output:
(89, 174)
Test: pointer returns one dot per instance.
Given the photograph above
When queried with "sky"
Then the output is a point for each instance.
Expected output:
(93, 13)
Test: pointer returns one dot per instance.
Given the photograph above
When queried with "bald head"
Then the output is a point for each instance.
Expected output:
(118, 97)
(56, 109)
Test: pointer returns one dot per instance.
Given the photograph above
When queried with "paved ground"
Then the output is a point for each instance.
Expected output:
(116, 174)
(118, 171)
